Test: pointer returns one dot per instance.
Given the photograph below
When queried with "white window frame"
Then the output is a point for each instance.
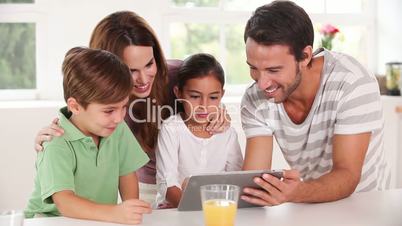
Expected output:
(37, 13)
(217, 16)
(28, 13)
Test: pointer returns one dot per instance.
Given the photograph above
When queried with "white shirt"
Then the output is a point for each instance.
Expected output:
(180, 154)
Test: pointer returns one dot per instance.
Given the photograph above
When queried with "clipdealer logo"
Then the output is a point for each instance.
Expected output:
(154, 111)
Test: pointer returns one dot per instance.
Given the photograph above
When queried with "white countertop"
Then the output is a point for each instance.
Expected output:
(361, 209)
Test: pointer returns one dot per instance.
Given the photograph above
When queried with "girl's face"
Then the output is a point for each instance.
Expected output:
(201, 98)
(141, 61)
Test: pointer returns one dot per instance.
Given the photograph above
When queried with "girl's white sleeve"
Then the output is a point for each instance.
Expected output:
(234, 160)
(166, 154)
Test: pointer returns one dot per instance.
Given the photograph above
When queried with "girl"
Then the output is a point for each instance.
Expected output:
(185, 147)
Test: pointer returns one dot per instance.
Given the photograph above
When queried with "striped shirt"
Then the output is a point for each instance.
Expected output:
(347, 102)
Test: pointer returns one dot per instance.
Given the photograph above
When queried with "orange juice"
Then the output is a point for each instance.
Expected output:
(219, 212)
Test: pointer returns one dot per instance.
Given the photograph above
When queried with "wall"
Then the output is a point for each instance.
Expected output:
(393, 137)
(18, 126)
(389, 46)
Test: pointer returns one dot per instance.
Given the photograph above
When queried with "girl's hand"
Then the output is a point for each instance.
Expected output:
(47, 134)
(184, 184)
(219, 122)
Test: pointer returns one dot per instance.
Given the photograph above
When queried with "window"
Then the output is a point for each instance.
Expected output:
(32, 44)
(223, 41)
(18, 44)
(17, 56)
(217, 26)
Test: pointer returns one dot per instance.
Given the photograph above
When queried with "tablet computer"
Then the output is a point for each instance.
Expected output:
(191, 197)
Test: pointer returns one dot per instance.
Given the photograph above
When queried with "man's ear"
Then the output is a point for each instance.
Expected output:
(176, 92)
(73, 105)
(307, 56)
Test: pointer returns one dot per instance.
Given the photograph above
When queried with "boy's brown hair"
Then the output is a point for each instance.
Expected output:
(95, 76)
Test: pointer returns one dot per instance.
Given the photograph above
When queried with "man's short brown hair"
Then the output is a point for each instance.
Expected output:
(281, 23)
(95, 76)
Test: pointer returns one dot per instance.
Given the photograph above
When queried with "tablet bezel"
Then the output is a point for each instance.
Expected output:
(191, 197)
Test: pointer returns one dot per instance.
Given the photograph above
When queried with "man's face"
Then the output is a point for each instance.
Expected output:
(275, 70)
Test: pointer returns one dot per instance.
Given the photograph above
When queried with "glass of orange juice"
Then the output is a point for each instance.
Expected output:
(219, 204)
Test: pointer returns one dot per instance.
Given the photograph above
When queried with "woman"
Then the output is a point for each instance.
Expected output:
(131, 38)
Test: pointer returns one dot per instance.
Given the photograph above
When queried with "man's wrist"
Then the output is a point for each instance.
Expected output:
(298, 192)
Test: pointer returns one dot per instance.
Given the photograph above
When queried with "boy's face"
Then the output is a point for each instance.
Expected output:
(99, 119)
(201, 98)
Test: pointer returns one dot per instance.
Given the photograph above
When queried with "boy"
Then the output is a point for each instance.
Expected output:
(80, 173)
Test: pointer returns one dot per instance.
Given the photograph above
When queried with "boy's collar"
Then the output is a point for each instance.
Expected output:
(71, 132)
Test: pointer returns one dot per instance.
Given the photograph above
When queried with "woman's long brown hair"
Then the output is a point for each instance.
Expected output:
(114, 33)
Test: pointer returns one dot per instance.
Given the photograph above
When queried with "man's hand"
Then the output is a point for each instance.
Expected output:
(273, 191)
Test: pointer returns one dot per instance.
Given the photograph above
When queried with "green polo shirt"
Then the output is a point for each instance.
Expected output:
(73, 162)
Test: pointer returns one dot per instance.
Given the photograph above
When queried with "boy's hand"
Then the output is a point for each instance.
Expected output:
(47, 133)
(131, 211)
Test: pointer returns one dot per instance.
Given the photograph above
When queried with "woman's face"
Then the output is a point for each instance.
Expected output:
(141, 61)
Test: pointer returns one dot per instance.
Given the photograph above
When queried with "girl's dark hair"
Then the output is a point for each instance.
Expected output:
(283, 23)
(198, 66)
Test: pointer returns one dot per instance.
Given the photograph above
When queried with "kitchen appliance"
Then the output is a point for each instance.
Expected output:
(393, 78)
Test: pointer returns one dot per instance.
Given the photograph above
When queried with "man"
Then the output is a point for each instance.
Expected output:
(323, 108)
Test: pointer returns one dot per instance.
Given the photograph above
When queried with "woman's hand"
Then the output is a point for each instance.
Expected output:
(219, 122)
(47, 133)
